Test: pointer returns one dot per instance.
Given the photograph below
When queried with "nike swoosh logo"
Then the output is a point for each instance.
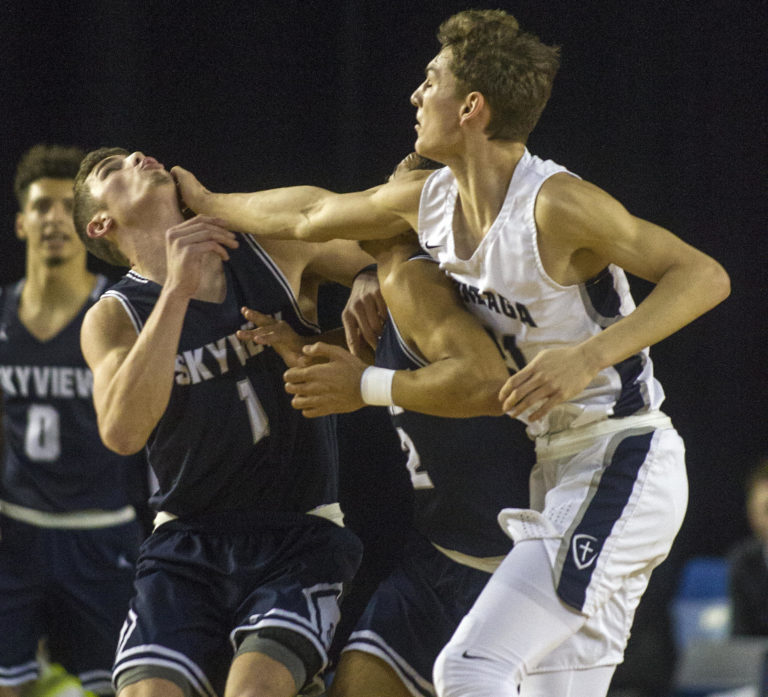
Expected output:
(472, 657)
(432, 246)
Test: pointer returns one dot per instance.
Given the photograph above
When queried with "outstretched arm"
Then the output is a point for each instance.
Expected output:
(589, 224)
(464, 367)
(310, 213)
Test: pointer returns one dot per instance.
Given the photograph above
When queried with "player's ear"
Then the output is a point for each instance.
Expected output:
(472, 107)
(99, 225)
(19, 225)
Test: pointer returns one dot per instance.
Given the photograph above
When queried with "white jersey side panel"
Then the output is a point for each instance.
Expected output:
(505, 285)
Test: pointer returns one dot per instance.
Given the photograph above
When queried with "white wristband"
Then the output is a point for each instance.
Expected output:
(376, 386)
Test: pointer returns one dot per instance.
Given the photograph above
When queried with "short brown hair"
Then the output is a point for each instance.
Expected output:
(45, 161)
(513, 70)
(86, 206)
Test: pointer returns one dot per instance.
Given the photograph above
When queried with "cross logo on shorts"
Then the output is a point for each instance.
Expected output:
(584, 550)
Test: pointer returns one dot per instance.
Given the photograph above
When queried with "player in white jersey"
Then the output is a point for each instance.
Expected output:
(609, 489)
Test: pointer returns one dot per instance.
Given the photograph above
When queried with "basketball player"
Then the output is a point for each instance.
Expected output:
(237, 587)
(463, 470)
(68, 530)
(539, 256)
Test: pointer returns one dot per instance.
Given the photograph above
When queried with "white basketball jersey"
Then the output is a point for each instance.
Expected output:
(505, 285)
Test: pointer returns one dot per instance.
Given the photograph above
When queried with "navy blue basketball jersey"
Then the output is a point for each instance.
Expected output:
(54, 459)
(464, 471)
(229, 438)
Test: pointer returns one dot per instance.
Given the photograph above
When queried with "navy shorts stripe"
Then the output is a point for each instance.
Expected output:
(604, 510)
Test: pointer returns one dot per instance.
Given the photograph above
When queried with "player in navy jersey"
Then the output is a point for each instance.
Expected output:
(540, 257)
(68, 530)
(237, 588)
(463, 470)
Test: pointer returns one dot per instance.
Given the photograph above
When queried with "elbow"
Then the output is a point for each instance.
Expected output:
(120, 440)
(723, 283)
(717, 282)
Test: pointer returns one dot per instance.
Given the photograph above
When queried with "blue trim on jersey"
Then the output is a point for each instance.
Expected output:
(410, 354)
(128, 307)
(607, 505)
(631, 399)
(270, 264)
(604, 299)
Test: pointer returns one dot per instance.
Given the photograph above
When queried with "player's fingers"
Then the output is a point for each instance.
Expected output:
(518, 404)
(258, 336)
(541, 411)
(257, 317)
(305, 389)
(322, 350)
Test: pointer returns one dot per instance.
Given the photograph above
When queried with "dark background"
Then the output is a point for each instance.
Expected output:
(660, 103)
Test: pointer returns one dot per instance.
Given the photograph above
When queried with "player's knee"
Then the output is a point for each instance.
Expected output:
(458, 672)
(11, 691)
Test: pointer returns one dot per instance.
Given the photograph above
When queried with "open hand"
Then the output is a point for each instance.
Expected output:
(278, 334)
(554, 376)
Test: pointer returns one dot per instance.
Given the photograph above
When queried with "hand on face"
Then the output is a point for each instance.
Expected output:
(191, 191)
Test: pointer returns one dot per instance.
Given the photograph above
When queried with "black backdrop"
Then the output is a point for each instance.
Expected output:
(660, 103)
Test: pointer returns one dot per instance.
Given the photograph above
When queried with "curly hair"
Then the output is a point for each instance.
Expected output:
(86, 206)
(45, 161)
(513, 69)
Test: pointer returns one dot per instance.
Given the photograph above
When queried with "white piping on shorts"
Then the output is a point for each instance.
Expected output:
(71, 520)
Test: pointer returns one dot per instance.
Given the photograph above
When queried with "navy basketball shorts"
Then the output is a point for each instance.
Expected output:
(204, 584)
(414, 612)
(72, 586)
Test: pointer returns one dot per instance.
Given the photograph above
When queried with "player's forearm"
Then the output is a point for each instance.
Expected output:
(137, 395)
(449, 388)
(276, 213)
(681, 295)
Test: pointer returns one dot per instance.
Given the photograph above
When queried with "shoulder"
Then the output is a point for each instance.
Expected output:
(106, 324)
(564, 198)
(409, 277)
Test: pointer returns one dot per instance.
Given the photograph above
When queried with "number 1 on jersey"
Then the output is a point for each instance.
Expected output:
(256, 414)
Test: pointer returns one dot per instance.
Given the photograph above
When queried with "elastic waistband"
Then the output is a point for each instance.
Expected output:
(487, 564)
(329, 511)
(572, 440)
(71, 520)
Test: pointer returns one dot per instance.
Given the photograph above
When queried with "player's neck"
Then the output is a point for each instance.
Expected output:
(482, 177)
(55, 284)
(154, 266)
(53, 295)
(142, 240)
